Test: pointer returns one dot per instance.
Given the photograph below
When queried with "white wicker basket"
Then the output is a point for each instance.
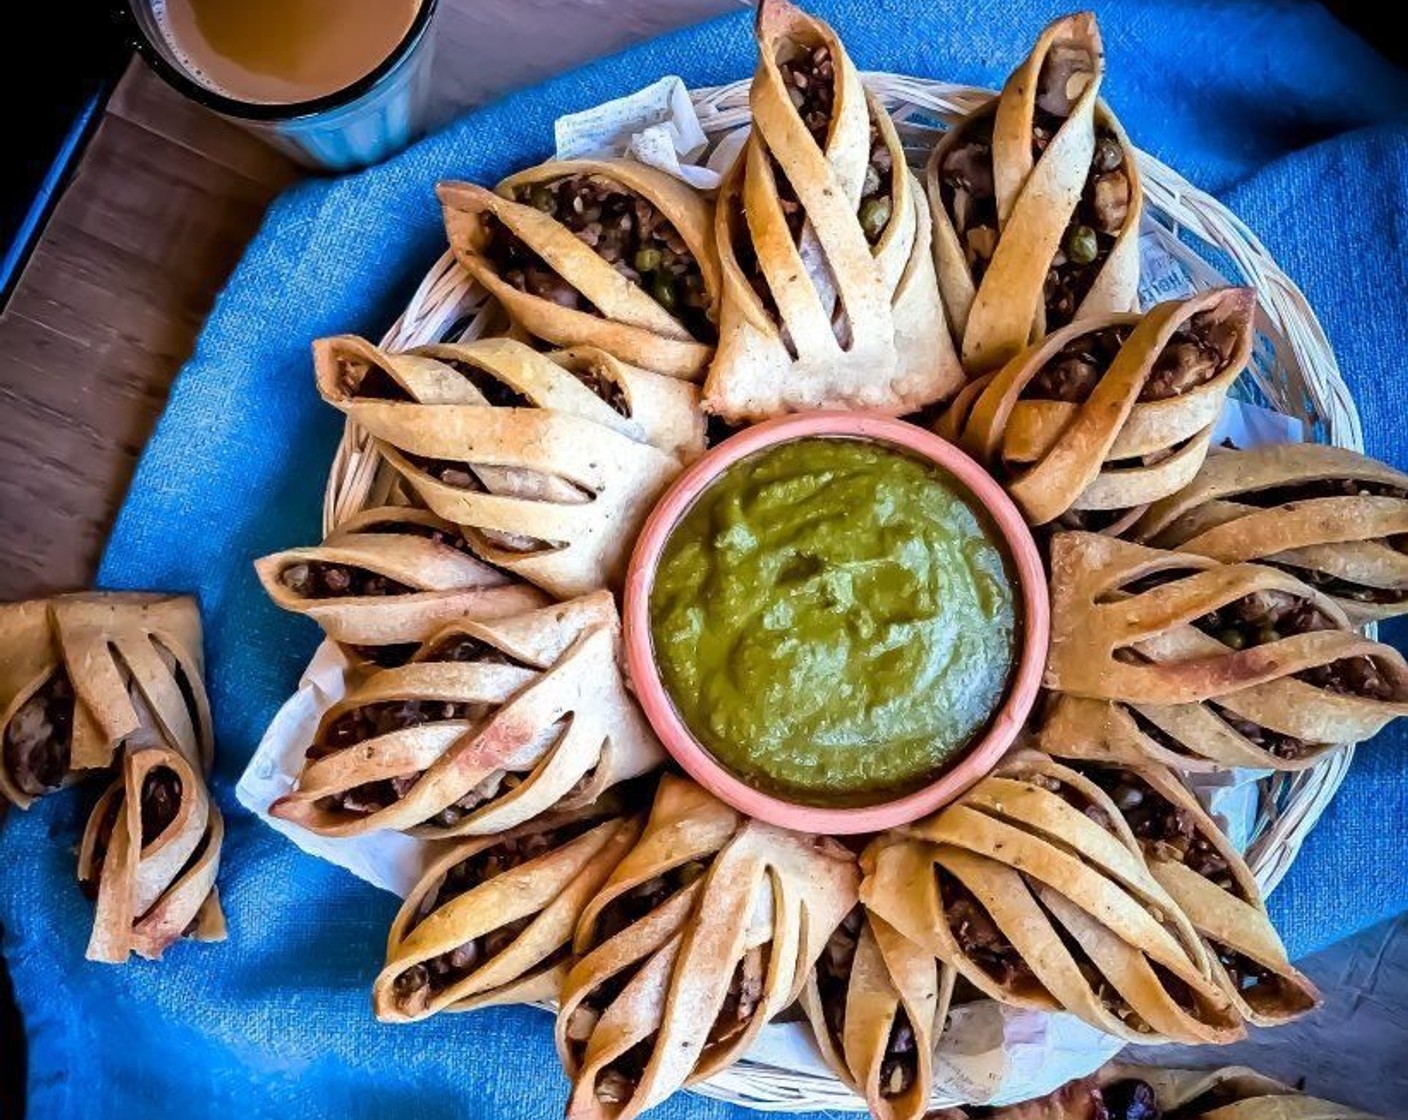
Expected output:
(1293, 368)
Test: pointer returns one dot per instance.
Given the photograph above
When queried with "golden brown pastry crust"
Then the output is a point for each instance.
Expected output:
(131, 667)
(152, 890)
(1139, 647)
(541, 720)
(742, 911)
(888, 349)
(553, 866)
(442, 582)
(1336, 535)
(1204, 874)
(999, 315)
(552, 487)
(632, 325)
(1039, 849)
(138, 671)
(1112, 453)
(893, 985)
(29, 659)
(1190, 738)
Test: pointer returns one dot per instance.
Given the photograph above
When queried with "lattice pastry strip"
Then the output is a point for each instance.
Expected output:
(1027, 243)
(877, 1003)
(705, 931)
(492, 918)
(829, 292)
(84, 675)
(389, 577)
(491, 724)
(1190, 738)
(1330, 516)
(1109, 413)
(150, 854)
(36, 705)
(1204, 874)
(1034, 889)
(548, 462)
(137, 670)
(1183, 640)
(607, 253)
(1228, 911)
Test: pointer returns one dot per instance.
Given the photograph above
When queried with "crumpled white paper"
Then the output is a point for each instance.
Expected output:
(656, 125)
(989, 1054)
(387, 860)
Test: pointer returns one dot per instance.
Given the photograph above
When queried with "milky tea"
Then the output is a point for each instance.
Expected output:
(281, 52)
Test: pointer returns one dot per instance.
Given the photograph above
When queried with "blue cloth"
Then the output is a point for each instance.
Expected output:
(1273, 105)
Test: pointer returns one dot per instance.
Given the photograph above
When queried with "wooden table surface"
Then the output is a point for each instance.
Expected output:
(158, 212)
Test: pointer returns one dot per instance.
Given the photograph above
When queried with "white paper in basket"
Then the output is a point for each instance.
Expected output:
(656, 125)
(990, 1054)
(387, 860)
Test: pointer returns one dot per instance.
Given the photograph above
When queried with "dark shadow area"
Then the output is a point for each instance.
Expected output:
(62, 104)
(14, 1065)
(1379, 23)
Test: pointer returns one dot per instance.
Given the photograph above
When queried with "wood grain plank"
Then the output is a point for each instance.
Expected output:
(104, 315)
(144, 99)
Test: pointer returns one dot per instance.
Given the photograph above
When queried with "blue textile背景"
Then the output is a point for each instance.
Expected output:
(1269, 103)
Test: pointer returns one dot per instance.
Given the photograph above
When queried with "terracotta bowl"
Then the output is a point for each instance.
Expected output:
(976, 761)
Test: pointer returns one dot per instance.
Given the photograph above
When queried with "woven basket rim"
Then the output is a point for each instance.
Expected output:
(1191, 218)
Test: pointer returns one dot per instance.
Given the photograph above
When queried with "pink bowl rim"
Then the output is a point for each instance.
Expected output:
(696, 760)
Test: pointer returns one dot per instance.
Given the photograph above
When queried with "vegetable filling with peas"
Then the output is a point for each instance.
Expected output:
(624, 229)
(968, 190)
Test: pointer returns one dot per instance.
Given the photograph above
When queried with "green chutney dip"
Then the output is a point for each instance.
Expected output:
(834, 620)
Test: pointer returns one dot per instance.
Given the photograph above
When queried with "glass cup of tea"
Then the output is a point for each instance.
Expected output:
(337, 84)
